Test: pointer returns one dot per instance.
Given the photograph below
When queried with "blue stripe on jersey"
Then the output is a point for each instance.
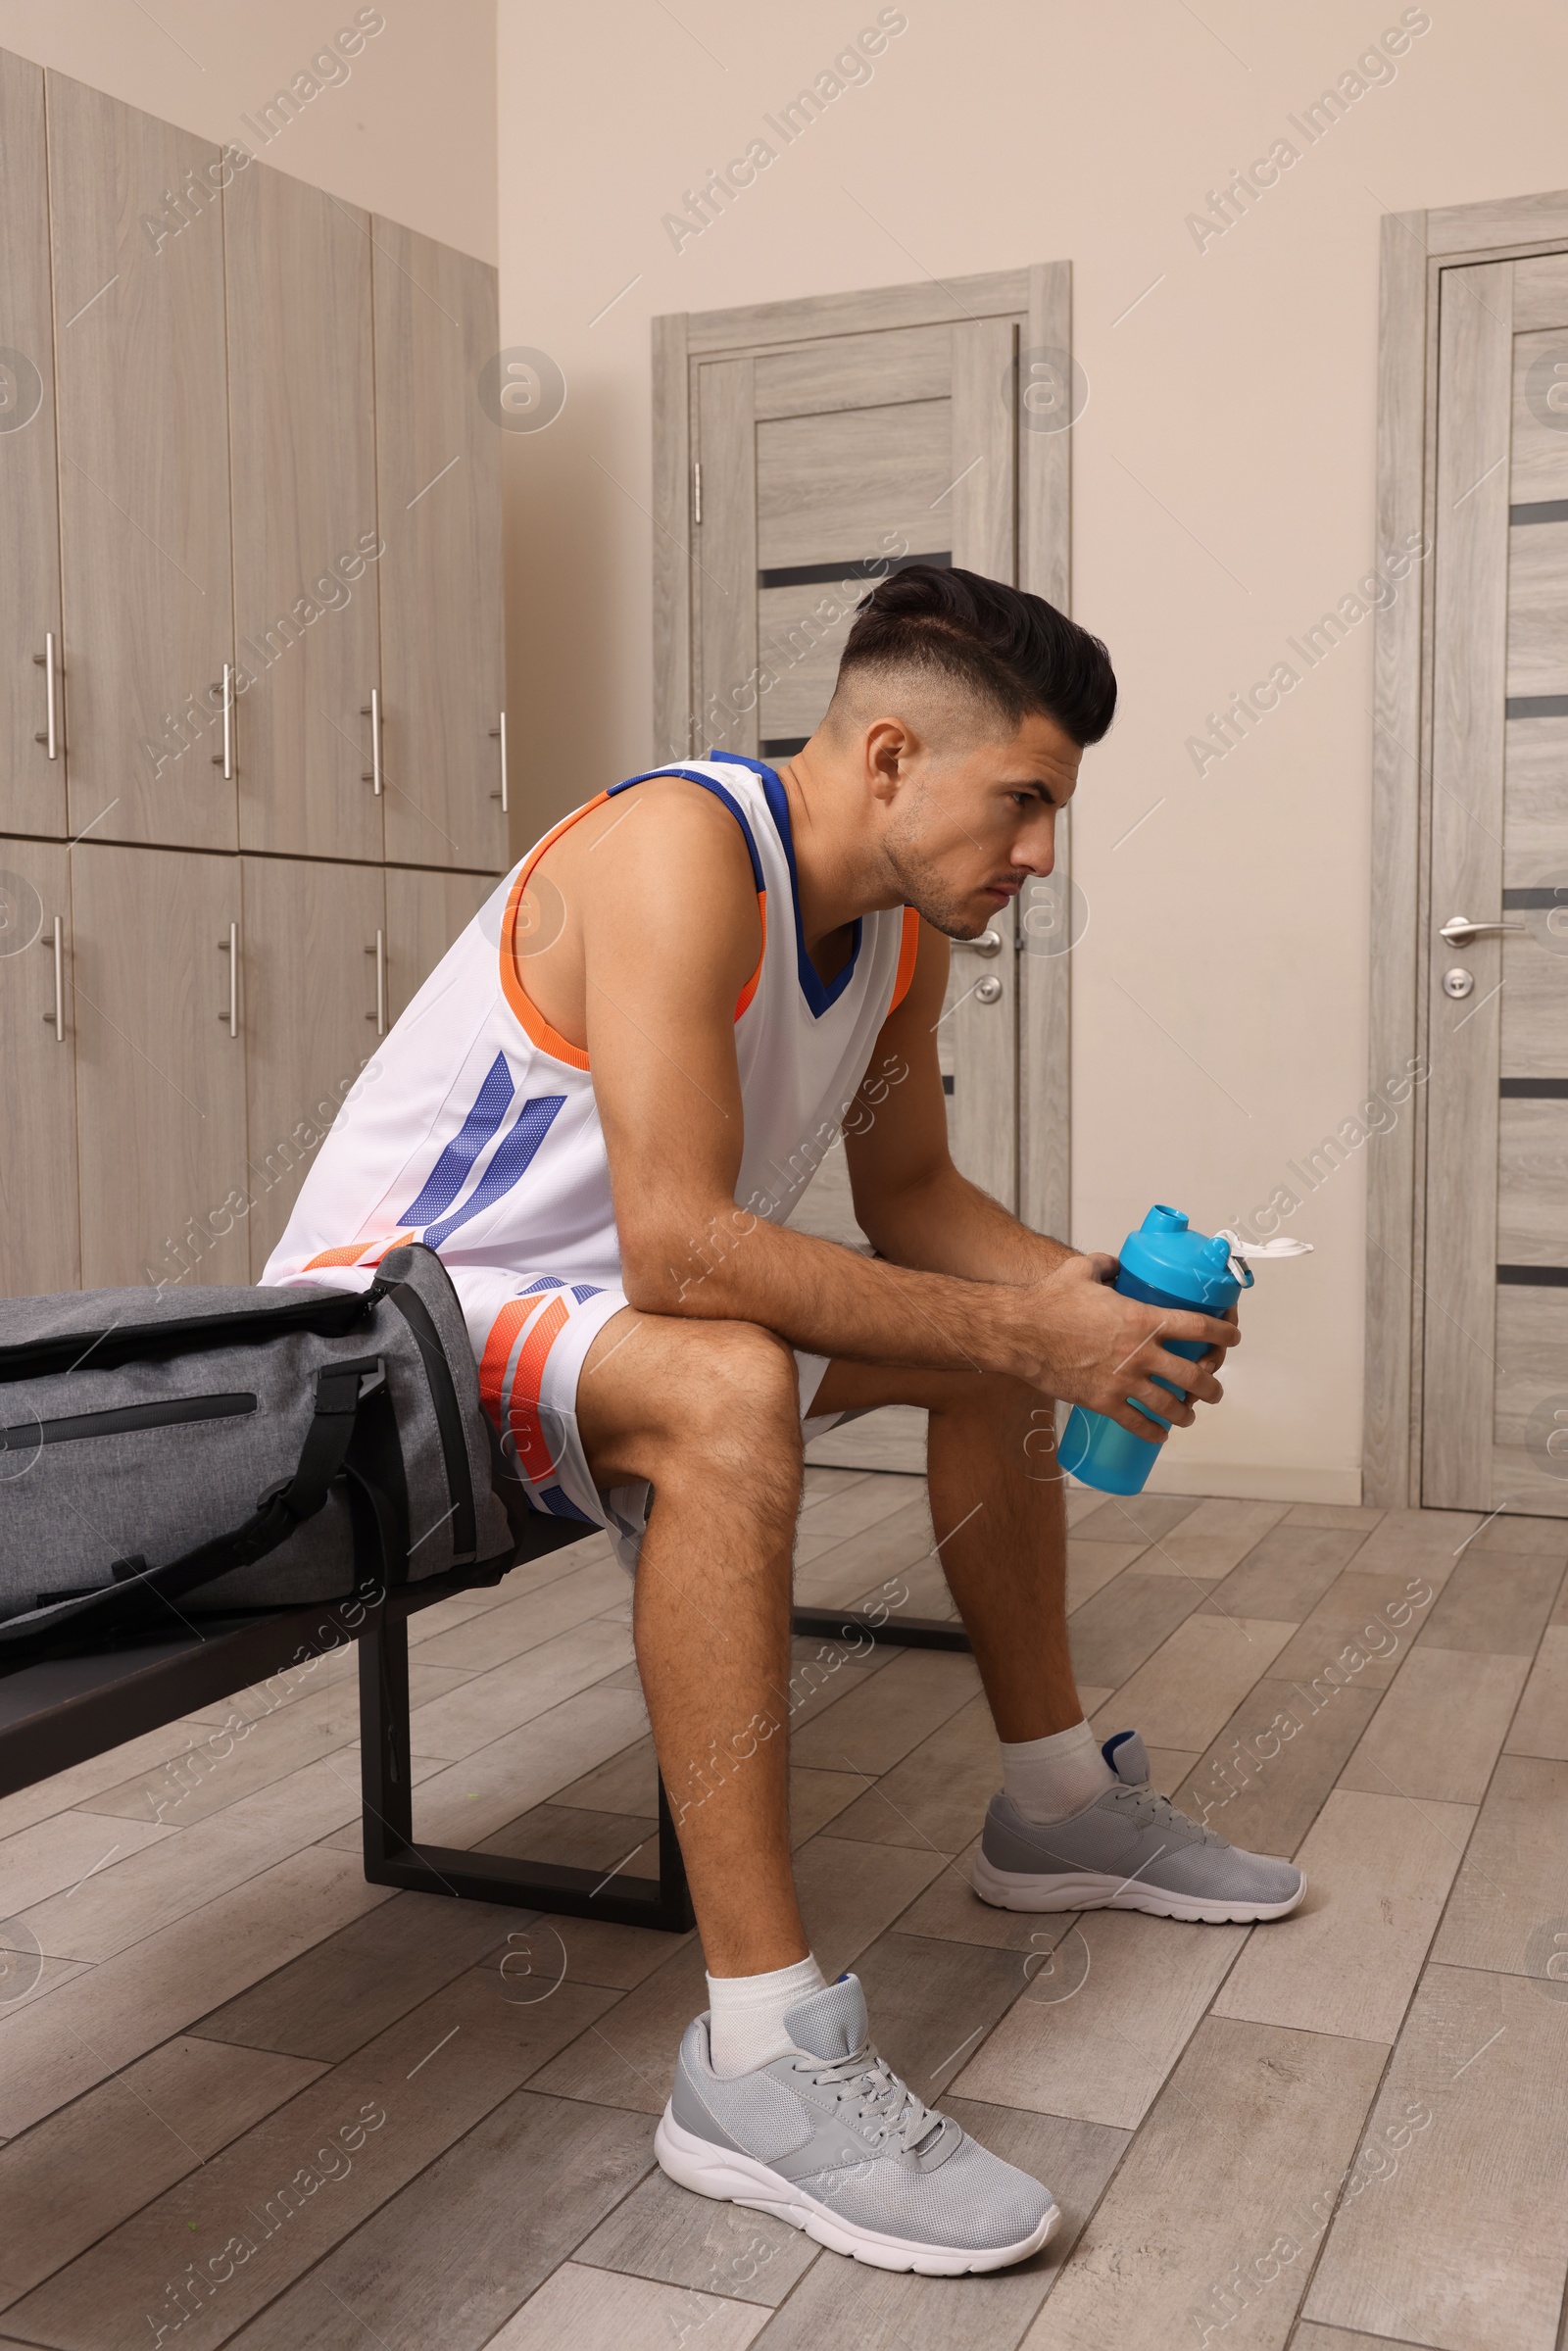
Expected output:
(717, 790)
(582, 1292)
(546, 1281)
(451, 1171)
(818, 993)
(509, 1162)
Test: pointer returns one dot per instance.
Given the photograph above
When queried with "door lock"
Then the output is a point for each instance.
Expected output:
(1459, 982)
(989, 991)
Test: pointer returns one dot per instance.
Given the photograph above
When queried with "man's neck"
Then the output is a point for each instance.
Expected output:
(839, 874)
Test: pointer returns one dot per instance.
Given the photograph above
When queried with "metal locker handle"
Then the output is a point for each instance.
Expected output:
(499, 734)
(230, 947)
(47, 662)
(380, 952)
(372, 709)
(56, 1018)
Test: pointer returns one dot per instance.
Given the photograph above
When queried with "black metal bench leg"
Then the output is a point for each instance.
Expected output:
(392, 1857)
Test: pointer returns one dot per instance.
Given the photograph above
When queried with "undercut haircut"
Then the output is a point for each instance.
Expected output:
(992, 645)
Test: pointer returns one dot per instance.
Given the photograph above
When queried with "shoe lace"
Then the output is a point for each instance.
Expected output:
(1151, 1810)
(875, 2094)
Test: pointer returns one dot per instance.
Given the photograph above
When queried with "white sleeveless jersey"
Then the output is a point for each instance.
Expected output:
(480, 1133)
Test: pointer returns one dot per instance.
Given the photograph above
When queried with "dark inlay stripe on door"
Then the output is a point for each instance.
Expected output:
(871, 569)
(1537, 706)
(783, 747)
(1540, 509)
(1544, 896)
(1533, 1090)
(1535, 1277)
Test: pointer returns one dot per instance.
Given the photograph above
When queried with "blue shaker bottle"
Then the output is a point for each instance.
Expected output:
(1165, 1265)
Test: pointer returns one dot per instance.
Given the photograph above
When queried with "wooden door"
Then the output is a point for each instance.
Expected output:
(816, 446)
(1495, 1392)
(40, 1248)
(822, 468)
(138, 291)
(302, 405)
(160, 1004)
(438, 469)
(315, 1003)
(424, 915)
(32, 748)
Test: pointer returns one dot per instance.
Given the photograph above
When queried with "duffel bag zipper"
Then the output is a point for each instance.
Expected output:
(29, 1435)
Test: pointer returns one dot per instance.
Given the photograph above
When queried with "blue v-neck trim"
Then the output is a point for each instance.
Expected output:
(820, 994)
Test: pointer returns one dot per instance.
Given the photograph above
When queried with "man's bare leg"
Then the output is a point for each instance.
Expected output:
(710, 1414)
(997, 1505)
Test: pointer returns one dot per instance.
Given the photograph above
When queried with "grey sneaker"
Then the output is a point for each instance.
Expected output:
(1130, 1849)
(831, 2140)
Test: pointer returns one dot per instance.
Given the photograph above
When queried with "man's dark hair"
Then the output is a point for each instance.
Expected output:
(1006, 649)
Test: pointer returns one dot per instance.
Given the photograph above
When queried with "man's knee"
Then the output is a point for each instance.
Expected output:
(738, 1409)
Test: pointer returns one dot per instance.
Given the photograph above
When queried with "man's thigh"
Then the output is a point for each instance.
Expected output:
(864, 1387)
(651, 1381)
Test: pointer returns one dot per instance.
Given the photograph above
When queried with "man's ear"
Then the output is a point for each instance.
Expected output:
(890, 748)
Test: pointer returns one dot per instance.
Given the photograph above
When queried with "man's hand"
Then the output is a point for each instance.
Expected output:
(1077, 1338)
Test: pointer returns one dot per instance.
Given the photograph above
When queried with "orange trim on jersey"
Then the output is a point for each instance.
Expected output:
(529, 1017)
(909, 948)
(750, 989)
(355, 1250)
(533, 1455)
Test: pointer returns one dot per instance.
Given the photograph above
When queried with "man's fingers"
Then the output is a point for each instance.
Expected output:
(1139, 1424)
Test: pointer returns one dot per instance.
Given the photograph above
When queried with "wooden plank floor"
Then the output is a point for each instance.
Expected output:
(246, 2099)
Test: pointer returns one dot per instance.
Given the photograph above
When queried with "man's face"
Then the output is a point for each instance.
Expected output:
(968, 827)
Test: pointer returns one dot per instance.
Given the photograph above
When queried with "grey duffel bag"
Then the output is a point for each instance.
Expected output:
(164, 1456)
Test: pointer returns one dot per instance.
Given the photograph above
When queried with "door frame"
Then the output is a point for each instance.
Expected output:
(1416, 248)
(1042, 295)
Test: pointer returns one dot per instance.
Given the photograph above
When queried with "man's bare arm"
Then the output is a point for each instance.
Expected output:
(661, 983)
(910, 1200)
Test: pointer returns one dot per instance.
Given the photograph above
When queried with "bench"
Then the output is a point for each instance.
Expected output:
(59, 1711)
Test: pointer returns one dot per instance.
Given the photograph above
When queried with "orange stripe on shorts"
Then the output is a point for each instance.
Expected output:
(533, 1455)
(498, 1352)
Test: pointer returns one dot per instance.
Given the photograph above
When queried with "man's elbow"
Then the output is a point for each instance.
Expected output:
(669, 1270)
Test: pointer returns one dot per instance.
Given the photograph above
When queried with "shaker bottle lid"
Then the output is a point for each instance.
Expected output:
(1168, 1256)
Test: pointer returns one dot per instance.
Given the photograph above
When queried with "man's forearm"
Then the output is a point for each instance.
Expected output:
(832, 1301)
(949, 1225)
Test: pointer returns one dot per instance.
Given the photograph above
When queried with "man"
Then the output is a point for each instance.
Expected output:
(600, 1110)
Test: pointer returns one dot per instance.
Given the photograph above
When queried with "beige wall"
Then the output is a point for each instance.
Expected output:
(1222, 502)
(406, 127)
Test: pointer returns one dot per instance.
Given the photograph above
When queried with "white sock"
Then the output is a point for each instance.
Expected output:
(745, 2027)
(1050, 1779)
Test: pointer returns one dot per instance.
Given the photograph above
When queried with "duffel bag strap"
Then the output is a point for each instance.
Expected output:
(125, 1605)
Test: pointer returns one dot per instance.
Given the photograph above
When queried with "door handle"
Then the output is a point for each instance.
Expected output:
(1459, 930)
(372, 709)
(56, 947)
(989, 943)
(48, 663)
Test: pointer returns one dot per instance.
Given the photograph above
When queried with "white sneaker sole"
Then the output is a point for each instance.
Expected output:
(710, 2171)
(1091, 1889)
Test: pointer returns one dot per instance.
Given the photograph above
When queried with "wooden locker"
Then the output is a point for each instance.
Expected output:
(40, 1248)
(438, 469)
(159, 1000)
